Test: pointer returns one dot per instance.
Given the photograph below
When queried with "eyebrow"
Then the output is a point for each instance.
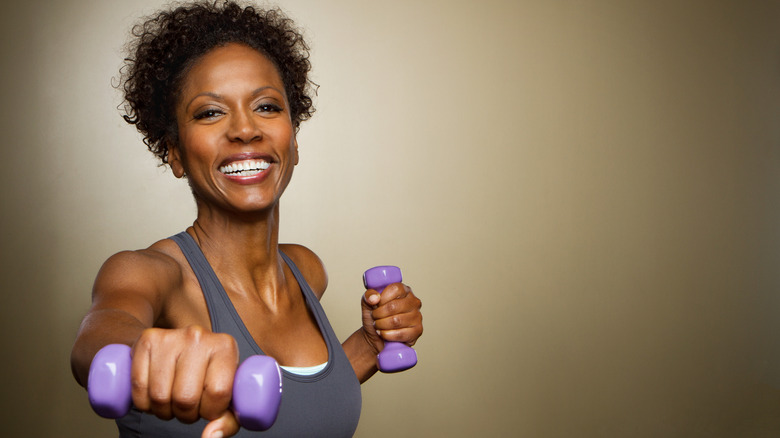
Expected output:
(220, 97)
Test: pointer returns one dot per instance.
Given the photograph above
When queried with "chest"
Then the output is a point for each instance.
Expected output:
(288, 332)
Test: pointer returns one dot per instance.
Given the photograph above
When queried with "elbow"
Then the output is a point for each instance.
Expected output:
(78, 366)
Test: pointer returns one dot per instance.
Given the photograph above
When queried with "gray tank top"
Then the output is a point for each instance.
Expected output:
(326, 404)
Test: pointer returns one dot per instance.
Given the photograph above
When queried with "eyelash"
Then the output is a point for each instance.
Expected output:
(210, 113)
(269, 107)
(207, 114)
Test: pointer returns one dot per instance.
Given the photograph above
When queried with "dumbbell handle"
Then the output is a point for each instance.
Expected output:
(396, 356)
(257, 387)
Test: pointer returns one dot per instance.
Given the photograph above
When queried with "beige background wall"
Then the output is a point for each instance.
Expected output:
(585, 194)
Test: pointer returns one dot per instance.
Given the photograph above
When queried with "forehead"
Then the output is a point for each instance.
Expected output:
(231, 66)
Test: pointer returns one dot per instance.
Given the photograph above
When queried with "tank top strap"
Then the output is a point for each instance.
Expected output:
(223, 315)
(311, 299)
(200, 266)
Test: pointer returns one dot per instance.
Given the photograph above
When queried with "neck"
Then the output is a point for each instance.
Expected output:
(245, 246)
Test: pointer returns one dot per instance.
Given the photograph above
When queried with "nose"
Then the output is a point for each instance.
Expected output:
(244, 127)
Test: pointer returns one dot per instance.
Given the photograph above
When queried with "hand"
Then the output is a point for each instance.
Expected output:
(394, 315)
(186, 374)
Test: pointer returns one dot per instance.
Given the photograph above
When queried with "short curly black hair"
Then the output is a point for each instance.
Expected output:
(165, 46)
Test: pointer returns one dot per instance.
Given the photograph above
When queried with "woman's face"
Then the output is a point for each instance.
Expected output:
(236, 140)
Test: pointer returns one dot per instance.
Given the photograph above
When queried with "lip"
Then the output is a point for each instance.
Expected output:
(251, 179)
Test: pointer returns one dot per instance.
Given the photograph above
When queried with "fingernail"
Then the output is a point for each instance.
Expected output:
(217, 434)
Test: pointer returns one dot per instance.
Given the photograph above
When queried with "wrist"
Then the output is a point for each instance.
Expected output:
(373, 341)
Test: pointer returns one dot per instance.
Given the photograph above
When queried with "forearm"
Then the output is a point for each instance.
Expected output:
(100, 328)
(361, 353)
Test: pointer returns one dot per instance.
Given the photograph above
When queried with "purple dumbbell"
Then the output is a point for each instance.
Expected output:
(257, 387)
(396, 356)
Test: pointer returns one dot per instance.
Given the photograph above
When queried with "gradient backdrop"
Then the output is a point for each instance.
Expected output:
(585, 194)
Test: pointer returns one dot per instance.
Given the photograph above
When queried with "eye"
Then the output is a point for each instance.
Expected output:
(209, 113)
(268, 108)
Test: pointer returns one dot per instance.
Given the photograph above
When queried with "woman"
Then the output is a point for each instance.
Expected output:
(219, 92)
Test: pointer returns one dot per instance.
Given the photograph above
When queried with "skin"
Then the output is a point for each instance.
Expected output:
(232, 105)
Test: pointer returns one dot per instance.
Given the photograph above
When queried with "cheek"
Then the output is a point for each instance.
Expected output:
(194, 144)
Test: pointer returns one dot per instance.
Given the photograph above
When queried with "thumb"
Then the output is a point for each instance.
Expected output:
(370, 299)
(371, 335)
(368, 304)
(224, 426)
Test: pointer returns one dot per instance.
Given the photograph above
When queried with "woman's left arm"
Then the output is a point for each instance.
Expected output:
(393, 315)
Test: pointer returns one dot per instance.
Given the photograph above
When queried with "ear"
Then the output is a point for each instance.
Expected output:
(175, 160)
(295, 141)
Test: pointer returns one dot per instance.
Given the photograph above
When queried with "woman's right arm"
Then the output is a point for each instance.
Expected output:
(127, 298)
(184, 372)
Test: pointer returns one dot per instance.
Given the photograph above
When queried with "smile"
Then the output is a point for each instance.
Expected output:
(245, 168)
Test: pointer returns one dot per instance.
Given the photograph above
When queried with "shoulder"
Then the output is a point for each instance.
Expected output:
(150, 260)
(138, 277)
(310, 265)
(157, 261)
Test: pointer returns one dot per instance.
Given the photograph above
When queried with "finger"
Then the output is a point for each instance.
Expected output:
(139, 375)
(218, 381)
(162, 366)
(401, 327)
(407, 335)
(408, 303)
(187, 386)
(368, 304)
(394, 291)
(398, 321)
(224, 426)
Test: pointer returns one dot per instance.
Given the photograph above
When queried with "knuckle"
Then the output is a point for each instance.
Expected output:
(162, 412)
(218, 391)
(153, 333)
(398, 336)
(146, 339)
(226, 344)
(185, 403)
(159, 398)
(139, 387)
(194, 333)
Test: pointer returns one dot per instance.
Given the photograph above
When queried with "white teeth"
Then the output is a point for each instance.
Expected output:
(245, 168)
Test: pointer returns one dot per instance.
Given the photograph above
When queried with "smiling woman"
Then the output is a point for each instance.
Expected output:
(219, 92)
